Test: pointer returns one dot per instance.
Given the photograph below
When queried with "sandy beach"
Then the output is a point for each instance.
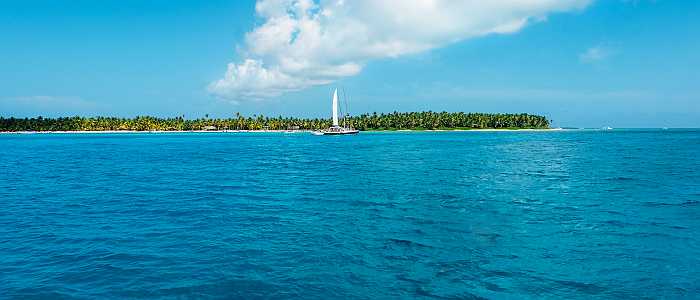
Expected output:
(153, 131)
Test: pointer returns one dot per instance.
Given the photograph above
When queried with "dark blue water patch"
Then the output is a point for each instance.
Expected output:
(442, 215)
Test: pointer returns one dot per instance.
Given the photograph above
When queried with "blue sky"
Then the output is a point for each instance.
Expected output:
(616, 63)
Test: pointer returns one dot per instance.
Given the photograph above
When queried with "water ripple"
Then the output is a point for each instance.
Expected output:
(451, 215)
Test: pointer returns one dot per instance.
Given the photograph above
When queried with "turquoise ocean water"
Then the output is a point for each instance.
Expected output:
(441, 215)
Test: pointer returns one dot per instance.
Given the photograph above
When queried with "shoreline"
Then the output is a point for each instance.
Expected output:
(152, 131)
(269, 131)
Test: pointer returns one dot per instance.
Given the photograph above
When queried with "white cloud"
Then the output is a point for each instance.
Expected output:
(595, 54)
(303, 43)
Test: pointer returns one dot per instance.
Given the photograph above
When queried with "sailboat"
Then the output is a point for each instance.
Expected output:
(336, 129)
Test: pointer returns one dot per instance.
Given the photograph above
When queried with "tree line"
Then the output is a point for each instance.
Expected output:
(374, 121)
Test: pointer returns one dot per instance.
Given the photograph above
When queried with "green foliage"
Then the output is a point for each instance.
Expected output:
(391, 121)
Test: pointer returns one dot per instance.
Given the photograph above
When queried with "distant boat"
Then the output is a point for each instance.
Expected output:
(607, 128)
(336, 129)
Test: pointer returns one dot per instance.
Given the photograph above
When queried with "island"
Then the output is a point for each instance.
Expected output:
(366, 122)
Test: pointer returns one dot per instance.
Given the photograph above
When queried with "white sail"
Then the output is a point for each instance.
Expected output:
(336, 129)
(335, 107)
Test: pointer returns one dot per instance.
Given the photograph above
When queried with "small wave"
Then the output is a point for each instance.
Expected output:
(407, 243)
(587, 288)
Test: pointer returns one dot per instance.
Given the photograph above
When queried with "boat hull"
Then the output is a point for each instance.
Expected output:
(344, 132)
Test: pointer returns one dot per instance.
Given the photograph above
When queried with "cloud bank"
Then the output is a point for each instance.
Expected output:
(304, 43)
(41, 105)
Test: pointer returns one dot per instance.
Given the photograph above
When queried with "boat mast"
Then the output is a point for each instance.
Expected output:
(341, 112)
(346, 113)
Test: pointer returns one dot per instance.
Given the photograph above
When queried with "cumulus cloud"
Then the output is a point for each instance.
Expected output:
(304, 43)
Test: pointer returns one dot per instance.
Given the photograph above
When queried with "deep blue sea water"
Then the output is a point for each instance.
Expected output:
(444, 215)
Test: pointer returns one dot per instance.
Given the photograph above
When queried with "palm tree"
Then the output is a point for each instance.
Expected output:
(374, 121)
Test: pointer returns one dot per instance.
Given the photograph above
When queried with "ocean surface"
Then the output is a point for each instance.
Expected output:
(574, 214)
